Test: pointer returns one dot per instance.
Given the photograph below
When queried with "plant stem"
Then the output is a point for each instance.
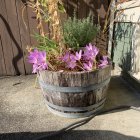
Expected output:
(36, 81)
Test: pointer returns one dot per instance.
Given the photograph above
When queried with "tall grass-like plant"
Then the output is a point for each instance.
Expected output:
(79, 32)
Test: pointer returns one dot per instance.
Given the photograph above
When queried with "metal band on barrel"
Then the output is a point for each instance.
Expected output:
(76, 115)
(49, 87)
(75, 109)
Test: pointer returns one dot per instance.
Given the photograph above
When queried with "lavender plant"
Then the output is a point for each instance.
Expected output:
(79, 32)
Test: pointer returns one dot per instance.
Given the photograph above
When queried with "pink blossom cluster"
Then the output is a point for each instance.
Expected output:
(38, 59)
(85, 58)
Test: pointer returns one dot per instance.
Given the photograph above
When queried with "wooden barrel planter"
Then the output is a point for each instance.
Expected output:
(75, 94)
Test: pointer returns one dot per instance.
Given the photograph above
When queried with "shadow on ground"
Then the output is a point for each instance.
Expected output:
(74, 135)
(121, 93)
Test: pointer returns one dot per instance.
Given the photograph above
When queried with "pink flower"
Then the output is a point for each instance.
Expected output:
(89, 47)
(38, 59)
(78, 55)
(103, 62)
(90, 52)
(88, 66)
(70, 60)
(32, 58)
(66, 57)
(71, 64)
(88, 57)
(41, 57)
(35, 68)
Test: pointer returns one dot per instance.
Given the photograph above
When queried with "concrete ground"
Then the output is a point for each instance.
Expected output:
(24, 115)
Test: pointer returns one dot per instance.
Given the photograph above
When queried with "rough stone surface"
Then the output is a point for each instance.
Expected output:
(24, 115)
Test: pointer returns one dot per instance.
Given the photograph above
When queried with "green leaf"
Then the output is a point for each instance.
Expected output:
(61, 7)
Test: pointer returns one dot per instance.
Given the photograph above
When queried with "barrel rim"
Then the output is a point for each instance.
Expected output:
(77, 72)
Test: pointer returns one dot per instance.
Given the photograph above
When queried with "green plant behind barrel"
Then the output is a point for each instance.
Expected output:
(79, 32)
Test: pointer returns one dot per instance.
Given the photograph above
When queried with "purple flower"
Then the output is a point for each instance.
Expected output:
(41, 57)
(86, 59)
(35, 68)
(90, 52)
(103, 62)
(38, 59)
(66, 57)
(95, 50)
(88, 66)
(89, 47)
(32, 58)
(70, 60)
(71, 64)
(78, 56)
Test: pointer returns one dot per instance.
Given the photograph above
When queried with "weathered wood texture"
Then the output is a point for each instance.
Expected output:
(75, 79)
(15, 35)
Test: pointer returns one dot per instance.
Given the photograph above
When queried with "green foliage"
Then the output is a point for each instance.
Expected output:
(61, 7)
(79, 32)
(43, 2)
(46, 44)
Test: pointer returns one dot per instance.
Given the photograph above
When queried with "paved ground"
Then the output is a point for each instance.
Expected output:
(24, 115)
